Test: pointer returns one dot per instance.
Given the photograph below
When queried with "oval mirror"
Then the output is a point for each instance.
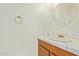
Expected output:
(65, 13)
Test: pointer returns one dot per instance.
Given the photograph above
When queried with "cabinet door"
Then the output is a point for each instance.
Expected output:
(42, 51)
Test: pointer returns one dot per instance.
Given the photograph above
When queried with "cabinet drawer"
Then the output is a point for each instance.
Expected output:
(56, 50)
(52, 54)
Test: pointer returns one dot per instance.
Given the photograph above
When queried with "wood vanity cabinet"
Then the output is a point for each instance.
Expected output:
(46, 49)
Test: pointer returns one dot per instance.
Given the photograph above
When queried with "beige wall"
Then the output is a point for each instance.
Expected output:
(21, 39)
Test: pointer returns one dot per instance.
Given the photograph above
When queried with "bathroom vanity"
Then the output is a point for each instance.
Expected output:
(46, 47)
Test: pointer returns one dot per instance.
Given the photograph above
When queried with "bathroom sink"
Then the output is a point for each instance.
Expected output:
(59, 39)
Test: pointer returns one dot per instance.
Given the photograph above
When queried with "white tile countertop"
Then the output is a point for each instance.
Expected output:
(72, 46)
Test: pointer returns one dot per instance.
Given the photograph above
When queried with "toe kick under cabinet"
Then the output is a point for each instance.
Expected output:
(47, 49)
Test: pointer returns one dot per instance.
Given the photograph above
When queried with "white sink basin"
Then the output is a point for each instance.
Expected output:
(55, 38)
